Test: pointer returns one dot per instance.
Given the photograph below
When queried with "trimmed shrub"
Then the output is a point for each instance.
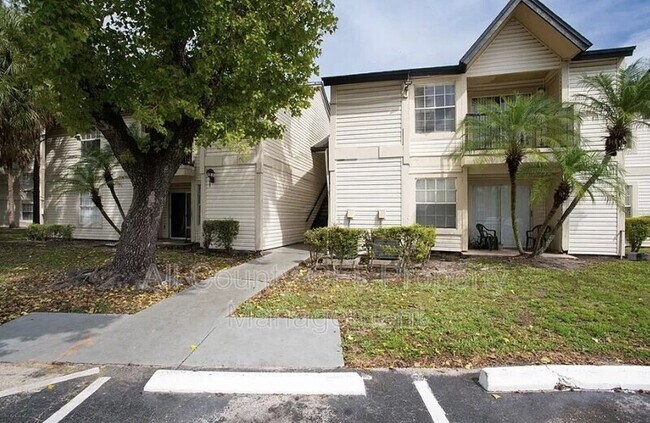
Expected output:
(220, 232)
(637, 230)
(333, 242)
(44, 232)
(407, 244)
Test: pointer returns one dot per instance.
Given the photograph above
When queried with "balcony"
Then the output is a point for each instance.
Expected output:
(484, 138)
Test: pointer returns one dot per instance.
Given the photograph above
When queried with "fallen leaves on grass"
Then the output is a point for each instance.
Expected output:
(29, 273)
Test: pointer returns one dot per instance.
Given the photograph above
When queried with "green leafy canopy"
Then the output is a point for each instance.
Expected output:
(230, 65)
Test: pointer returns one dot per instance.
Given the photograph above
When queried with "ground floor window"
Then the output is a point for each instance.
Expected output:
(27, 210)
(435, 200)
(89, 214)
(628, 200)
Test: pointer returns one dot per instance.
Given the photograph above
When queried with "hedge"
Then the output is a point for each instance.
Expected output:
(637, 230)
(44, 232)
(406, 244)
(222, 232)
(333, 242)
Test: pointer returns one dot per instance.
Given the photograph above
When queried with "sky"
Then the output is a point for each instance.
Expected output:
(376, 35)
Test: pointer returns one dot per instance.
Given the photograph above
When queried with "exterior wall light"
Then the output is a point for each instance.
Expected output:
(405, 88)
(210, 175)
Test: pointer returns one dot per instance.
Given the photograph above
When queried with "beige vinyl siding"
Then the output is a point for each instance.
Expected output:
(640, 184)
(368, 115)
(365, 187)
(640, 194)
(448, 242)
(514, 49)
(19, 196)
(638, 156)
(292, 177)
(61, 152)
(288, 199)
(592, 130)
(232, 196)
(593, 227)
(435, 147)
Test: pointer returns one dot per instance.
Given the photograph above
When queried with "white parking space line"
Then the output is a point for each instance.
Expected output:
(36, 386)
(435, 410)
(255, 383)
(76, 401)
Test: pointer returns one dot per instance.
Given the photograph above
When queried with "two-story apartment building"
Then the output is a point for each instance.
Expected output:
(274, 192)
(392, 135)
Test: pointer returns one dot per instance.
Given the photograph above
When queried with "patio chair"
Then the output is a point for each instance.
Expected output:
(533, 234)
(487, 237)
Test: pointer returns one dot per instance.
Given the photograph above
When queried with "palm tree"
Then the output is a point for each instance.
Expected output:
(564, 172)
(104, 160)
(622, 102)
(21, 120)
(85, 178)
(513, 131)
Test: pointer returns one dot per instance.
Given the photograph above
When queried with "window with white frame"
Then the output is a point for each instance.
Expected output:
(90, 142)
(628, 200)
(435, 202)
(27, 205)
(89, 214)
(435, 108)
(27, 210)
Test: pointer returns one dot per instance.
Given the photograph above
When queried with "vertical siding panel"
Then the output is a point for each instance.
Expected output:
(293, 177)
(367, 186)
(513, 50)
(369, 115)
(62, 152)
(593, 226)
(232, 196)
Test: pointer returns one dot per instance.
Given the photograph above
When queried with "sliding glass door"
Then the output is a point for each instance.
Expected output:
(490, 206)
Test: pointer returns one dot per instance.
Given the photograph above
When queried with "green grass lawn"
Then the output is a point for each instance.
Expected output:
(16, 234)
(496, 312)
(29, 271)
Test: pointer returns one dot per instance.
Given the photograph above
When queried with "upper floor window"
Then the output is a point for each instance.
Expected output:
(27, 182)
(435, 108)
(90, 142)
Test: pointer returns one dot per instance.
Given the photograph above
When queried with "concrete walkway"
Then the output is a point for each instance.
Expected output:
(190, 329)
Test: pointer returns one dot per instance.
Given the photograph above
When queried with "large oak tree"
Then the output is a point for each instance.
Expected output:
(204, 72)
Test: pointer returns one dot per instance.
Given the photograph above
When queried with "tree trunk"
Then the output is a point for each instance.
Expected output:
(136, 249)
(97, 201)
(36, 188)
(561, 194)
(587, 185)
(513, 211)
(537, 250)
(110, 183)
(11, 203)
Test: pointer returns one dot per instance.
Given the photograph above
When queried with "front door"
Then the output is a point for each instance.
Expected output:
(491, 207)
(179, 215)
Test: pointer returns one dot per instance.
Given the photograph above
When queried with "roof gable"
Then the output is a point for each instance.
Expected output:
(514, 49)
(541, 21)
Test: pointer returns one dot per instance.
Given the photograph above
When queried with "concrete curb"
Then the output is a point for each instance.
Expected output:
(558, 377)
(255, 383)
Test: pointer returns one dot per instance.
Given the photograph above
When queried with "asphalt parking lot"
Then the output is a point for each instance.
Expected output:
(391, 396)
